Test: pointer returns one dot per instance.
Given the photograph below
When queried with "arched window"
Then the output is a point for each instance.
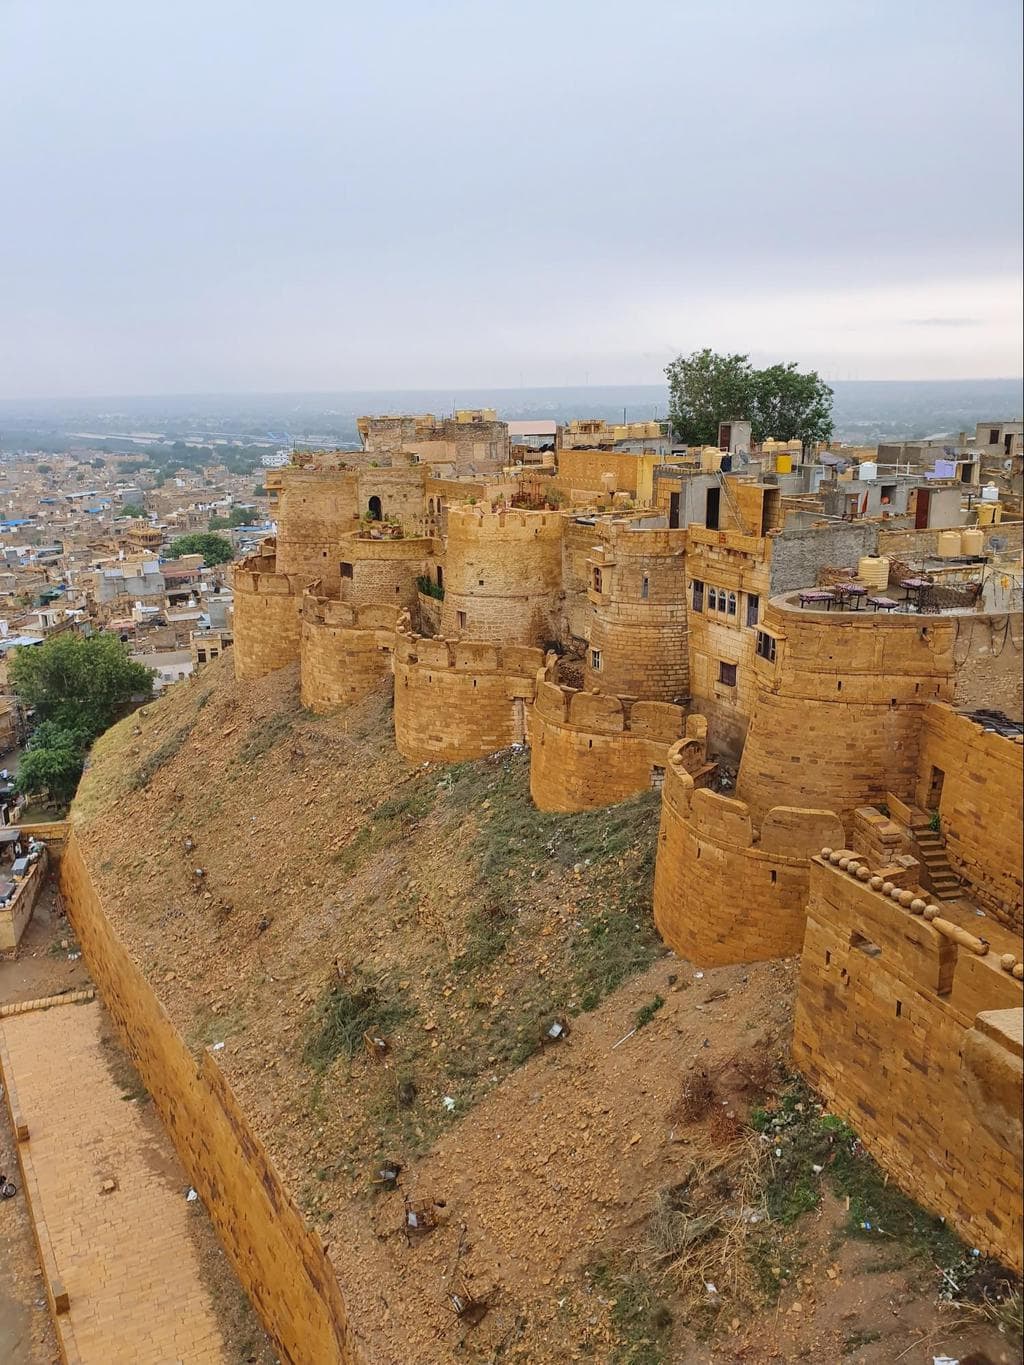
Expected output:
(374, 508)
(732, 604)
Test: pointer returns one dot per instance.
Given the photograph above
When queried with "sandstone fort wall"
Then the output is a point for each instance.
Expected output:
(456, 700)
(590, 750)
(915, 1038)
(982, 795)
(346, 651)
(316, 507)
(503, 576)
(836, 718)
(279, 1261)
(724, 892)
(385, 571)
(266, 615)
(638, 639)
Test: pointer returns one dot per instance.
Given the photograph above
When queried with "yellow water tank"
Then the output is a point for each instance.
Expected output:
(949, 544)
(989, 512)
(710, 459)
(972, 541)
(784, 463)
(873, 572)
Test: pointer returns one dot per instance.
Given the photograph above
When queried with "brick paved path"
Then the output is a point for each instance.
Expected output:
(127, 1258)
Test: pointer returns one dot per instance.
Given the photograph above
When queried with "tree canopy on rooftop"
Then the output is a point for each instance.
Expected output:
(214, 549)
(780, 401)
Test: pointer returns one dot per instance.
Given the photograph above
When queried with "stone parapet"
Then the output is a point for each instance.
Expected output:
(502, 575)
(345, 651)
(460, 699)
(724, 891)
(911, 1027)
(588, 749)
(266, 614)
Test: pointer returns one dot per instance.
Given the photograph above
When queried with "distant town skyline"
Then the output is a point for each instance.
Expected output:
(242, 199)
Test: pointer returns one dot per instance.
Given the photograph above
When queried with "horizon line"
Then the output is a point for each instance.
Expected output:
(440, 388)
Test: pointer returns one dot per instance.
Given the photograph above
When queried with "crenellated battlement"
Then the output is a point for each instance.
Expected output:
(724, 890)
(910, 1023)
(508, 523)
(588, 749)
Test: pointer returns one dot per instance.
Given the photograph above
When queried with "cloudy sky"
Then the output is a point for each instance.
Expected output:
(244, 195)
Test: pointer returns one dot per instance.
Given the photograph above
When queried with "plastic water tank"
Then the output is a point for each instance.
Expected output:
(990, 493)
(972, 541)
(949, 546)
(868, 470)
(873, 572)
(784, 463)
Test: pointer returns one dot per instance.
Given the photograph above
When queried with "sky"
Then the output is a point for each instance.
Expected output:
(246, 196)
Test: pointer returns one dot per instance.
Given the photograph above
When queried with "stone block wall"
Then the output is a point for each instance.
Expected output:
(266, 615)
(980, 806)
(836, 718)
(989, 659)
(503, 576)
(456, 700)
(590, 750)
(915, 1038)
(385, 571)
(639, 629)
(729, 562)
(315, 508)
(346, 651)
(912, 545)
(723, 892)
(279, 1261)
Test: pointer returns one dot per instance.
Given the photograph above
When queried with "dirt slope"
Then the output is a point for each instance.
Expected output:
(290, 883)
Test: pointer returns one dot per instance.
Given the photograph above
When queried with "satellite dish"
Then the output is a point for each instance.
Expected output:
(1007, 465)
(997, 543)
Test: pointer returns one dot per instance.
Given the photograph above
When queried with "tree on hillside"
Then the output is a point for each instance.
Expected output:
(214, 549)
(78, 686)
(52, 762)
(80, 683)
(132, 509)
(780, 401)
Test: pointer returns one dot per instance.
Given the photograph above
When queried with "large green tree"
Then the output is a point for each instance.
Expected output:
(77, 685)
(214, 549)
(80, 683)
(779, 401)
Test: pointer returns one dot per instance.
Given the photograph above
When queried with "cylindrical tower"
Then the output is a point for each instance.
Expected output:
(638, 636)
(502, 576)
(838, 698)
(266, 614)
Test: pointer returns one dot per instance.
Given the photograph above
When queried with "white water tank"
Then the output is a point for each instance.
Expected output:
(868, 470)
(990, 493)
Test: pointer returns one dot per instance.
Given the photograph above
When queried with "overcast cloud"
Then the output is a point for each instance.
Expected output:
(208, 195)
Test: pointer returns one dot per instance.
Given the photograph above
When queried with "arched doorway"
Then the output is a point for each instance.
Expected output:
(375, 508)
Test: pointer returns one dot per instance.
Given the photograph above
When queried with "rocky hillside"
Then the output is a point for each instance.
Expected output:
(294, 888)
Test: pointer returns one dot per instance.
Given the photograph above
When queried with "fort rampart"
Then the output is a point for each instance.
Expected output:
(345, 651)
(911, 1028)
(638, 639)
(266, 614)
(723, 891)
(979, 778)
(837, 714)
(588, 750)
(456, 700)
(278, 1259)
(502, 576)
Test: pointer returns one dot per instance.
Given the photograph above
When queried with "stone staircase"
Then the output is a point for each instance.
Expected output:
(932, 850)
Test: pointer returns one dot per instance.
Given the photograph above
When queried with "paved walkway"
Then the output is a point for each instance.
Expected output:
(127, 1258)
